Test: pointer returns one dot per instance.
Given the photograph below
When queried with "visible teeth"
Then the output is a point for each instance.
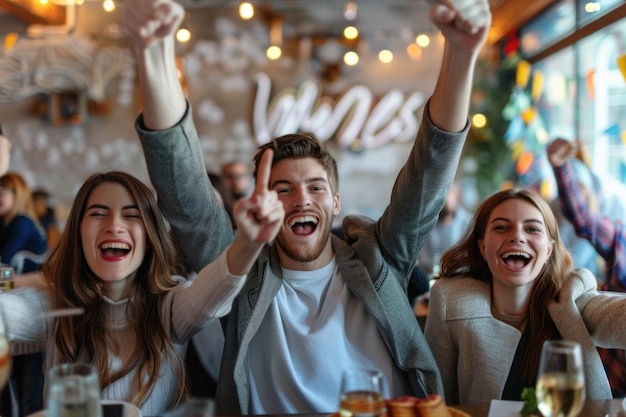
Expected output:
(303, 219)
(522, 254)
(115, 245)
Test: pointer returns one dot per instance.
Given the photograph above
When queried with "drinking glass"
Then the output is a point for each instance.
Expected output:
(361, 393)
(560, 379)
(7, 274)
(73, 391)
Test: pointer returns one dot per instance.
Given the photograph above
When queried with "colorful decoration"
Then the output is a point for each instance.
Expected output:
(10, 40)
(523, 74)
(621, 64)
(591, 87)
(526, 135)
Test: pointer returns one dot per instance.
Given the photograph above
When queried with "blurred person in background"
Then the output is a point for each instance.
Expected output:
(237, 178)
(20, 231)
(46, 216)
(607, 236)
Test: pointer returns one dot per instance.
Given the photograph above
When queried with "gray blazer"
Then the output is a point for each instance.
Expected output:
(475, 351)
(375, 257)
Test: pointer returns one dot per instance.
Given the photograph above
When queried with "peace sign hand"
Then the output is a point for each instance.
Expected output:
(259, 217)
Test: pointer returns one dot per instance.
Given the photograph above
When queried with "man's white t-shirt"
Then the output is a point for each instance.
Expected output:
(314, 329)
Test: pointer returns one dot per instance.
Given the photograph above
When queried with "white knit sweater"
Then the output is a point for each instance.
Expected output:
(186, 310)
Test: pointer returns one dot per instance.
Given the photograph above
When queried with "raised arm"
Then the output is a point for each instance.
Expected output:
(588, 224)
(174, 157)
(464, 25)
(153, 24)
(420, 189)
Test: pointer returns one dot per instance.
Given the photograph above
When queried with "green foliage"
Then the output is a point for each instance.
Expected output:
(487, 146)
(530, 403)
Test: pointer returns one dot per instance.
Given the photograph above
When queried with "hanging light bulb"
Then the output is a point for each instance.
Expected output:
(246, 10)
(108, 5)
(350, 32)
(385, 56)
(422, 40)
(273, 52)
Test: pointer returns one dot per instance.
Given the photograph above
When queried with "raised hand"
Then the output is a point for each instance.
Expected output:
(260, 216)
(462, 22)
(149, 21)
(560, 150)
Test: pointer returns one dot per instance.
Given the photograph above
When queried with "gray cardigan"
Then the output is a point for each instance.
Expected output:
(374, 257)
(475, 351)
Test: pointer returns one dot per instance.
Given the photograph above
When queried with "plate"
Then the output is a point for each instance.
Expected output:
(453, 413)
(110, 410)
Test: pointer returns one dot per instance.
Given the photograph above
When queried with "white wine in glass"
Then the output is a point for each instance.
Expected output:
(561, 379)
(361, 393)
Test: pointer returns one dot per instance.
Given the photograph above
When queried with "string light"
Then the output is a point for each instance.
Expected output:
(273, 52)
(479, 120)
(246, 10)
(385, 56)
(183, 35)
(422, 40)
(351, 32)
(351, 58)
(108, 6)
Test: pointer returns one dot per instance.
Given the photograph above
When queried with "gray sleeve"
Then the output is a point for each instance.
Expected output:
(419, 194)
(175, 161)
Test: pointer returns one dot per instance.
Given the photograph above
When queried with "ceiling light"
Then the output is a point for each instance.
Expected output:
(351, 58)
(350, 32)
(246, 10)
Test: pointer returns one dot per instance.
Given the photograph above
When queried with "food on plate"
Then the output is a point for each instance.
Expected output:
(431, 406)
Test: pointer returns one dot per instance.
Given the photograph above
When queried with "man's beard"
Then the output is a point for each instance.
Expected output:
(307, 255)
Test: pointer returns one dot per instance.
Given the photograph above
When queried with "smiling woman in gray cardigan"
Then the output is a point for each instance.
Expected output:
(506, 288)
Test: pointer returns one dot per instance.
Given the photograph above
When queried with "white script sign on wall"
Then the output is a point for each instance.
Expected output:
(350, 117)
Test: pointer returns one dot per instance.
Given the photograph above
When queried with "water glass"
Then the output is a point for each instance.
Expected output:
(361, 393)
(561, 379)
(73, 391)
(6, 278)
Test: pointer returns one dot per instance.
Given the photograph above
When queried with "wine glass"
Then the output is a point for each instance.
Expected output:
(361, 393)
(561, 379)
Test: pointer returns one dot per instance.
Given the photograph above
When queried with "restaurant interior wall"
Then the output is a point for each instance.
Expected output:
(221, 91)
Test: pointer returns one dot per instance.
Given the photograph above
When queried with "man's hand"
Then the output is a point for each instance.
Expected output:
(462, 22)
(560, 150)
(149, 21)
(260, 216)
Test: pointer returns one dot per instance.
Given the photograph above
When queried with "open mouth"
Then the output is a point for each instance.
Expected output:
(516, 259)
(303, 225)
(114, 249)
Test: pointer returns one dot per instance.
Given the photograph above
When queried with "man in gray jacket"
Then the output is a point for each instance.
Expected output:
(314, 304)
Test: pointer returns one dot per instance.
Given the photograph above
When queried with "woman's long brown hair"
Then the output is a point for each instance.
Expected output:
(465, 259)
(87, 337)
